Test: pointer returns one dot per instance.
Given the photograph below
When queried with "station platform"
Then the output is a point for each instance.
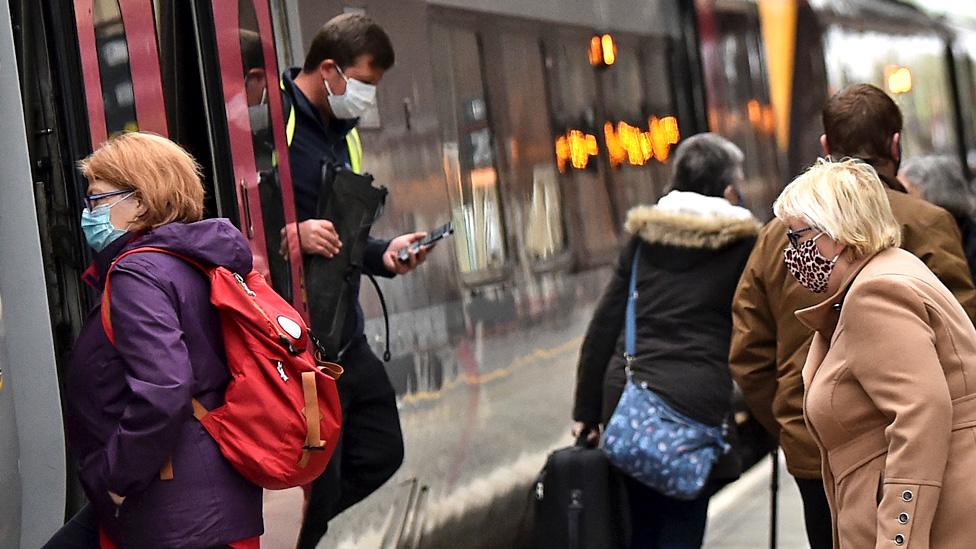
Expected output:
(738, 516)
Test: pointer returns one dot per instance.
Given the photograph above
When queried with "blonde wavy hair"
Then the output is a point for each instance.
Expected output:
(166, 177)
(847, 201)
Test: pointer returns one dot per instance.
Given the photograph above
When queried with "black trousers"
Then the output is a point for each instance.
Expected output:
(816, 513)
(370, 448)
(660, 522)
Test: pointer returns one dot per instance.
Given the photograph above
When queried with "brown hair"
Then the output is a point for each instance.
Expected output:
(859, 122)
(252, 52)
(346, 37)
(166, 177)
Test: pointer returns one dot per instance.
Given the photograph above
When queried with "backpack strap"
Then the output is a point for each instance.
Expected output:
(313, 434)
(166, 473)
(106, 292)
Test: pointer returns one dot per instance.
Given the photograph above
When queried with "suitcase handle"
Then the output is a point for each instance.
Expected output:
(581, 439)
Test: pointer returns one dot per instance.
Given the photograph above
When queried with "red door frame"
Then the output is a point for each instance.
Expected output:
(226, 29)
(139, 26)
(85, 22)
(266, 30)
(138, 18)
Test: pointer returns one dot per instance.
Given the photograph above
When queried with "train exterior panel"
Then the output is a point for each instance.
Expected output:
(32, 454)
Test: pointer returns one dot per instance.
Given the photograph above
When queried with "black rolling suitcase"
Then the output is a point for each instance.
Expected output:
(578, 502)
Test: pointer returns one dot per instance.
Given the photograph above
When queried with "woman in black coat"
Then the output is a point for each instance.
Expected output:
(693, 246)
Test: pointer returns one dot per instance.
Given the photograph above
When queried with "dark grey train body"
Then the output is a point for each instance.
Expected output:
(493, 118)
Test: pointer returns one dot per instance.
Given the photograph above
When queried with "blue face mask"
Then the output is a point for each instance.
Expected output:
(97, 225)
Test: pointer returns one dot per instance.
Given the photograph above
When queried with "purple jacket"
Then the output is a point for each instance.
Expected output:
(129, 405)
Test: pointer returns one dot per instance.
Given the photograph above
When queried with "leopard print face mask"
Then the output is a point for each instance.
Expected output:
(808, 266)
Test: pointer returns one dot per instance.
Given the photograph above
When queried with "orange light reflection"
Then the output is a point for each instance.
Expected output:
(575, 148)
(609, 50)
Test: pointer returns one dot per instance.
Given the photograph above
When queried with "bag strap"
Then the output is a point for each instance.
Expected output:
(386, 316)
(630, 328)
(199, 411)
(106, 292)
(313, 434)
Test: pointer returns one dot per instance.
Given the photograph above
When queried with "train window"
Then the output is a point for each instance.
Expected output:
(469, 153)
(262, 140)
(738, 101)
(966, 69)
(911, 69)
(572, 101)
(622, 86)
(113, 67)
(529, 158)
(632, 131)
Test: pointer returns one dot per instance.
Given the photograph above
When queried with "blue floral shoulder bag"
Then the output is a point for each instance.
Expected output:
(648, 439)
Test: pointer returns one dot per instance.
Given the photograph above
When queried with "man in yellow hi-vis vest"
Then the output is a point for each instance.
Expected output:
(323, 101)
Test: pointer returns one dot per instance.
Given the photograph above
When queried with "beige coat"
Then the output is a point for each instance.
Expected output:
(891, 402)
(769, 345)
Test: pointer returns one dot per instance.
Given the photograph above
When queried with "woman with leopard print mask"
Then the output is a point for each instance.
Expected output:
(887, 398)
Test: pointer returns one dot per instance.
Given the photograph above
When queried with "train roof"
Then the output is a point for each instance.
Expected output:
(892, 16)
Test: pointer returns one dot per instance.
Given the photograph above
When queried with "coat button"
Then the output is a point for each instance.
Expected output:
(899, 539)
(903, 518)
(907, 495)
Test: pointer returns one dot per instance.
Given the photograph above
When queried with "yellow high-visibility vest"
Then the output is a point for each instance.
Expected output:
(353, 144)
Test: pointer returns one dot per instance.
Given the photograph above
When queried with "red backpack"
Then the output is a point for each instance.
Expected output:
(281, 417)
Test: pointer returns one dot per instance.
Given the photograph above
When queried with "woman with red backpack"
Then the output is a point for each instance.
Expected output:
(153, 475)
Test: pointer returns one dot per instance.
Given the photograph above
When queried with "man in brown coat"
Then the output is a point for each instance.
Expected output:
(769, 345)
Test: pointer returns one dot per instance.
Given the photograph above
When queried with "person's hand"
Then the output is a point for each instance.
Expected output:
(318, 236)
(593, 432)
(396, 266)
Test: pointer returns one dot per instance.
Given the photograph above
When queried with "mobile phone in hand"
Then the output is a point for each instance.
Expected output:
(433, 236)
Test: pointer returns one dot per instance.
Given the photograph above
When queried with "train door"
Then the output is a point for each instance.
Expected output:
(107, 51)
(32, 460)
(247, 124)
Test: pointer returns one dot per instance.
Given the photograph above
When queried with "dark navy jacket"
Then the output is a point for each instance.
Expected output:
(314, 143)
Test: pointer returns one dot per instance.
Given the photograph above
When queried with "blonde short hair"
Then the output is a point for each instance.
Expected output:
(847, 201)
(166, 177)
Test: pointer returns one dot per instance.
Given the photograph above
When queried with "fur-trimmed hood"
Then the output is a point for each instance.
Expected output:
(692, 220)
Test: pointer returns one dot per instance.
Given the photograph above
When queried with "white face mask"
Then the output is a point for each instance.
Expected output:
(359, 98)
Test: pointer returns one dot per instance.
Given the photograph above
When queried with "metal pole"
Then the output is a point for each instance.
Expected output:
(773, 498)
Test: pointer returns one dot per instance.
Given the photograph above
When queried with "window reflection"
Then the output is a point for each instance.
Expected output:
(262, 139)
(966, 69)
(531, 168)
(738, 103)
(911, 69)
(573, 99)
(113, 68)
(469, 154)
(544, 230)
